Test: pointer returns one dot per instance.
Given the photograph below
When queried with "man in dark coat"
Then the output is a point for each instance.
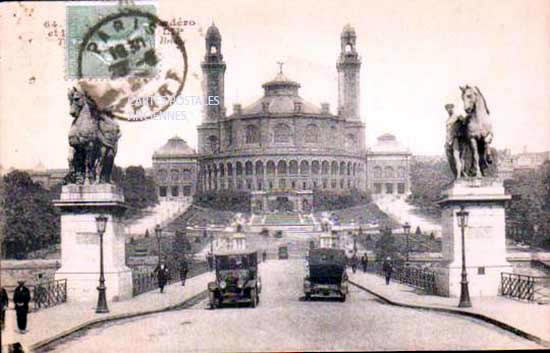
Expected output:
(21, 299)
(387, 267)
(162, 276)
(4, 302)
(354, 263)
(184, 268)
(364, 262)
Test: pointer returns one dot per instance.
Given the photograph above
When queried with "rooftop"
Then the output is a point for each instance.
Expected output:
(175, 147)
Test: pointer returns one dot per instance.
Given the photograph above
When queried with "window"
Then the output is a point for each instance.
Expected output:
(377, 171)
(282, 133)
(389, 188)
(270, 185)
(163, 175)
(282, 184)
(248, 168)
(281, 167)
(388, 172)
(212, 143)
(341, 183)
(377, 188)
(187, 175)
(293, 167)
(163, 191)
(333, 184)
(174, 175)
(401, 172)
(401, 188)
(252, 134)
(304, 167)
(293, 185)
(304, 185)
(175, 191)
(187, 190)
(312, 133)
(270, 167)
(325, 168)
(259, 168)
(350, 140)
(259, 185)
(334, 168)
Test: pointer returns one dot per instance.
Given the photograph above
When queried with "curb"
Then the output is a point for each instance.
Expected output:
(481, 317)
(97, 322)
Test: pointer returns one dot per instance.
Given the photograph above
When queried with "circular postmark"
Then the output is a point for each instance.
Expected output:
(122, 65)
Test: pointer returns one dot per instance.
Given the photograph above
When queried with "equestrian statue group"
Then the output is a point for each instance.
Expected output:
(93, 139)
(469, 136)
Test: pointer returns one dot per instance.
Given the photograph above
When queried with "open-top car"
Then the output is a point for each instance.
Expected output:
(327, 274)
(237, 279)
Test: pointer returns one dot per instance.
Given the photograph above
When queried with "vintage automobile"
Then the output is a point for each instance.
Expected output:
(237, 279)
(283, 252)
(327, 276)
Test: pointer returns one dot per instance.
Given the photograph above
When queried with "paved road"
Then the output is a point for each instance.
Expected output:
(283, 322)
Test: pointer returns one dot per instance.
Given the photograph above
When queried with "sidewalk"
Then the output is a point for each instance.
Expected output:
(51, 324)
(529, 320)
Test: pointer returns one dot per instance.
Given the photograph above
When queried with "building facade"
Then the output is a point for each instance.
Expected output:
(175, 170)
(389, 167)
(281, 145)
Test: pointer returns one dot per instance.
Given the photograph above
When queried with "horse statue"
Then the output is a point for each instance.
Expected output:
(93, 140)
(478, 134)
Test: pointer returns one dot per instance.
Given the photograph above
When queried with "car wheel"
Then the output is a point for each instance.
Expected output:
(253, 298)
(213, 300)
(343, 298)
(308, 296)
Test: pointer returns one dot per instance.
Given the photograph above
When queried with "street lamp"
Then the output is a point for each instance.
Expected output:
(464, 293)
(158, 232)
(407, 230)
(101, 222)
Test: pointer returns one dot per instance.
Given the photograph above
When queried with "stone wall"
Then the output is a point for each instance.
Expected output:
(31, 271)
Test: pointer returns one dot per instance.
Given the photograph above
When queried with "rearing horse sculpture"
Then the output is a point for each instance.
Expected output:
(93, 139)
(479, 131)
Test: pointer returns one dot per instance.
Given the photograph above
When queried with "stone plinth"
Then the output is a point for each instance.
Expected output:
(485, 243)
(80, 205)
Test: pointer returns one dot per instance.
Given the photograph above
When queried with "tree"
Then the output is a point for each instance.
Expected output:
(139, 189)
(31, 220)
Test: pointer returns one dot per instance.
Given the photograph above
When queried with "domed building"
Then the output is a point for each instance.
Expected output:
(389, 167)
(282, 147)
(175, 170)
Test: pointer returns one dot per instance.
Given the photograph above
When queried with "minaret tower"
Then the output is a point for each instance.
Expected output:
(213, 69)
(348, 66)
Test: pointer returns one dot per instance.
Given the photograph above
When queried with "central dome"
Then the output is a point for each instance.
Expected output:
(281, 97)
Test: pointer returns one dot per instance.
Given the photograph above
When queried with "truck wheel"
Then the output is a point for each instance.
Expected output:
(253, 298)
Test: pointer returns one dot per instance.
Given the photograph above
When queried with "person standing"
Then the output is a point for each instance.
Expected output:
(184, 268)
(364, 262)
(4, 302)
(387, 267)
(21, 299)
(162, 275)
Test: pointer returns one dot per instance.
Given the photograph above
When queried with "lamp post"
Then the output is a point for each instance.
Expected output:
(407, 230)
(158, 232)
(101, 222)
(464, 292)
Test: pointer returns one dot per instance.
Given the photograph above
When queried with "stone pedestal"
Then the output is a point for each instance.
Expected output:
(80, 205)
(485, 243)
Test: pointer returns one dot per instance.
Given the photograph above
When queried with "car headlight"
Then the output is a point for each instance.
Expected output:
(307, 284)
(223, 284)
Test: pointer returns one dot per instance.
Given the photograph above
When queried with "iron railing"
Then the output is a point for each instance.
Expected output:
(524, 287)
(49, 294)
(146, 281)
(413, 276)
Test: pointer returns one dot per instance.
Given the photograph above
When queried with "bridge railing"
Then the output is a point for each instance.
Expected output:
(524, 287)
(413, 276)
(146, 281)
(45, 294)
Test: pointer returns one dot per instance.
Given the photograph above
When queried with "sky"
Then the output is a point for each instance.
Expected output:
(415, 55)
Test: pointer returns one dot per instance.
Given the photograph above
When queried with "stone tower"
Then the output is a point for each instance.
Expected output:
(348, 66)
(213, 69)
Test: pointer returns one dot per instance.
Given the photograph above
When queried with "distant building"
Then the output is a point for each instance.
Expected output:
(175, 170)
(530, 160)
(388, 166)
(47, 177)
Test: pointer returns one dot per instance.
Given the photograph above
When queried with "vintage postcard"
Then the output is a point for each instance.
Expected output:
(274, 176)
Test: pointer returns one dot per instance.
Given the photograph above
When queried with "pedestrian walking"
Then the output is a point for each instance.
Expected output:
(4, 302)
(21, 299)
(162, 276)
(264, 256)
(184, 268)
(364, 262)
(354, 263)
(387, 267)
(210, 259)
